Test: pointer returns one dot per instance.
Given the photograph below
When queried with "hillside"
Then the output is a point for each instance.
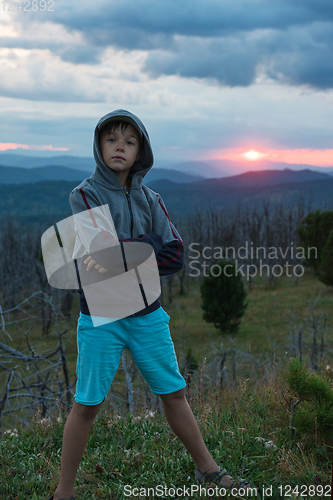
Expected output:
(122, 446)
(207, 168)
(49, 199)
(27, 162)
(268, 178)
(21, 175)
(215, 193)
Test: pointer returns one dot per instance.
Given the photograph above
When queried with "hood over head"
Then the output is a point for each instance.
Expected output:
(140, 168)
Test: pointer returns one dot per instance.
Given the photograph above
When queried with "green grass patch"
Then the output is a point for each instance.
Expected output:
(245, 425)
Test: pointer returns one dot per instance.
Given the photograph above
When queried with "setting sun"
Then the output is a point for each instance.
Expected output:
(317, 157)
(252, 155)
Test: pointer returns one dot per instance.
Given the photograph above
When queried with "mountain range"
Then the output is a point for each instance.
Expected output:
(20, 175)
(40, 194)
(203, 169)
(46, 202)
(214, 193)
(267, 177)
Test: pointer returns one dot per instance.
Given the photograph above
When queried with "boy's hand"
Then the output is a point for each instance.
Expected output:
(91, 263)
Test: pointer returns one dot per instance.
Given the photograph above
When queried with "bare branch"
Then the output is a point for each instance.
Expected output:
(6, 394)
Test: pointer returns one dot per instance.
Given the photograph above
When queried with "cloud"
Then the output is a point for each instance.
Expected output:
(303, 57)
(212, 18)
(229, 43)
(202, 74)
(231, 62)
(70, 45)
(76, 53)
(41, 76)
(49, 147)
(297, 56)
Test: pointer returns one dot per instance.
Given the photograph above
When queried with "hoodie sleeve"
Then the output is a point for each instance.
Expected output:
(170, 258)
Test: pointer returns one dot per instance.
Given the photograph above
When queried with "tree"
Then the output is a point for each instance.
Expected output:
(223, 297)
(325, 267)
(313, 232)
(313, 419)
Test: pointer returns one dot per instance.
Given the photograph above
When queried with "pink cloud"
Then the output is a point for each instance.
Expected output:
(5, 146)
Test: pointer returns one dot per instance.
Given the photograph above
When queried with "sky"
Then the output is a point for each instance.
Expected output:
(210, 79)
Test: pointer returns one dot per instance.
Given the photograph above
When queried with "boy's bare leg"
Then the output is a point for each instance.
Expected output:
(75, 438)
(181, 420)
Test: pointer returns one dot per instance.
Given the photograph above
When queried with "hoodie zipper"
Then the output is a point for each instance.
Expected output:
(130, 208)
(127, 192)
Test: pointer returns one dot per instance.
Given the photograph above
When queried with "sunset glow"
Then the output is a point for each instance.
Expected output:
(320, 158)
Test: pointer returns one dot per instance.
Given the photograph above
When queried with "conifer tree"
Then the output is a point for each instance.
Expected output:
(313, 416)
(313, 232)
(223, 297)
(325, 267)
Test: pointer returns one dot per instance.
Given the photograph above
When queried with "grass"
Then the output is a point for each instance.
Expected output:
(265, 323)
(141, 451)
(264, 331)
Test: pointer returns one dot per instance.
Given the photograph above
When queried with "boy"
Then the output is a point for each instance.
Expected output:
(123, 156)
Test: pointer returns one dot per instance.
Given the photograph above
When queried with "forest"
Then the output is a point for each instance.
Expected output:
(246, 389)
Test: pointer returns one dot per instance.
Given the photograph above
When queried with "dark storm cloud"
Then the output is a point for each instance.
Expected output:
(299, 55)
(80, 54)
(304, 58)
(230, 61)
(288, 40)
(115, 21)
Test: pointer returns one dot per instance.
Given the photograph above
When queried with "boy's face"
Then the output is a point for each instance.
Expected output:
(120, 150)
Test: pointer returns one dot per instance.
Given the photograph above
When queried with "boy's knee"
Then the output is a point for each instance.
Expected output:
(173, 397)
(85, 411)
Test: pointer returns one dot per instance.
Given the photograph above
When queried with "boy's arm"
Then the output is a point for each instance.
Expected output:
(92, 221)
(170, 258)
(96, 232)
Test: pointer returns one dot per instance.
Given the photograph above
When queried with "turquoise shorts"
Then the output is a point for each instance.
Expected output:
(100, 348)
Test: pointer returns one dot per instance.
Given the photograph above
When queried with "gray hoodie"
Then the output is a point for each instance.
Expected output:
(138, 215)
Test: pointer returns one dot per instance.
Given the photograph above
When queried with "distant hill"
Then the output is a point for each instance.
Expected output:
(45, 201)
(268, 178)
(186, 198)
(74, 162)
(19, 175)
(227, 168)
(170, 174)
(49, 199)
(206, 169)
(231, 167)
(202, 168)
